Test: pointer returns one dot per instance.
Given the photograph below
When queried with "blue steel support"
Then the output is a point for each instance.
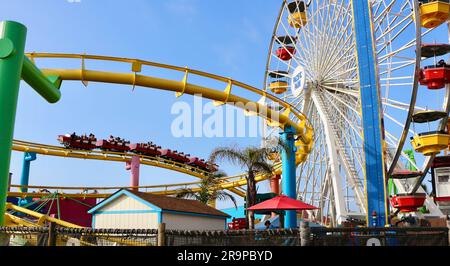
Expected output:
(28, 157)
(377, 209)
(289, 179)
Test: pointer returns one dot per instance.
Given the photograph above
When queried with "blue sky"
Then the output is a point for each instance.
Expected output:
(229, 38)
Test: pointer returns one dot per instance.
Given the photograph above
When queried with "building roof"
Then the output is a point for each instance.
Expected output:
(166, 203)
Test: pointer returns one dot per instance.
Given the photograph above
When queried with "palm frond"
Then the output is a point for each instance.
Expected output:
(187, 194)
(231, 154)
(263, 168)
(222, 195)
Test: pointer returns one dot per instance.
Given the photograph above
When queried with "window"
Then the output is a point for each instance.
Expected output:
(443, 178)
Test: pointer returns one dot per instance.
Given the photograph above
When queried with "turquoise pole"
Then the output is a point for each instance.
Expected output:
(25, 178)
(28, 157)
(289, 178)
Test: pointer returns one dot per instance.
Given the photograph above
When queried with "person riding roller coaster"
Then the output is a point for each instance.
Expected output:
(92, 139)
(84, 138)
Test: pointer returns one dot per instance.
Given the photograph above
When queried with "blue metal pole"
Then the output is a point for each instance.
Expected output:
(28, 157)
(371, 115)
(289, 179)
(25, 178)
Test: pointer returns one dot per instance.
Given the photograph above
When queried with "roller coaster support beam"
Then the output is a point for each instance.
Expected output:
(289, 178)
(28, 157)
(134, 166)
(25, 178)
(12, 45)
(373, 127)
(275, 184)
(14, 66)
(275, 188)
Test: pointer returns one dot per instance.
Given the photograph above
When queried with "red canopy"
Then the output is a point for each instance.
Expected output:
(282, 203)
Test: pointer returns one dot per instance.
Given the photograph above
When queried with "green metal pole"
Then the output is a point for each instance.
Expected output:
(47, 87)
(12, 46)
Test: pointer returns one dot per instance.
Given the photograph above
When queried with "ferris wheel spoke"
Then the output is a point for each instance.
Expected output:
(332, 61)
(347, 92)
(401, 107)
(401, 125)
(380, 25)
(401, 67)
(326, 24)
(384, 13)
(353, 108)
(392, 28)
(410, 44)
(334, 67)
(343, 116)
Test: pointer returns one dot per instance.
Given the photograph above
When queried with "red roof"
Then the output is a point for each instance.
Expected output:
(282, 203)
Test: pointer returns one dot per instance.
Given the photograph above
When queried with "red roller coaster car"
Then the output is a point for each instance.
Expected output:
(202, 164)
(107, 145)
(175, 156)
(145, 149)
(76, 142)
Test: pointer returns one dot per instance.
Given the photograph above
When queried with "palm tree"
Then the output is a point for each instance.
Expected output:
(254, 160)
(208, 192)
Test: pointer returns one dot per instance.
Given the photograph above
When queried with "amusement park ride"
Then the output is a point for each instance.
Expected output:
(345, 79)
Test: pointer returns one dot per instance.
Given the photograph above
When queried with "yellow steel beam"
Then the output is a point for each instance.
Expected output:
(304, 130)
(180, 87)
(11, 221)
(225, 185)
(42, 218)
(114, 156)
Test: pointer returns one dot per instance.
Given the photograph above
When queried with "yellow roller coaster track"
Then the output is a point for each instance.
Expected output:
(117, 157)
(291, 116)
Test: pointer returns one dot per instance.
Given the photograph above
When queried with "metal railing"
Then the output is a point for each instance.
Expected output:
(305, 236)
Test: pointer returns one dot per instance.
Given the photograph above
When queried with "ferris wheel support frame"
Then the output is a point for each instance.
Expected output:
(377, 207)
(340, 211)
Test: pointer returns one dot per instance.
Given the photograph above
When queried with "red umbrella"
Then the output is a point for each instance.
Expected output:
(282, 203)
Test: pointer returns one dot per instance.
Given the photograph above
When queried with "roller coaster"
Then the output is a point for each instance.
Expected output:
(301, 124)
(304, 138)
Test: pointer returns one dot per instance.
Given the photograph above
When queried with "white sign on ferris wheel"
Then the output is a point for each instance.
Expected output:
(298, 81)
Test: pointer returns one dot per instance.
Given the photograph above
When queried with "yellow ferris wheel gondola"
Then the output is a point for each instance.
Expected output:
(434, 12)
(297, 14)
(279, 84)
(430, 143)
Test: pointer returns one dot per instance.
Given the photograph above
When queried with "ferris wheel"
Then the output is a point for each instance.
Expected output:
(312, 64)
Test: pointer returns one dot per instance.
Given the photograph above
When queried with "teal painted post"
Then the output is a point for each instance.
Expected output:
(12, 46)
(25, 178)
(28, 157)
(288, 180)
